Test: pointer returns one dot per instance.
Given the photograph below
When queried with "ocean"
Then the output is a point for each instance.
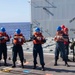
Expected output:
(11, 27)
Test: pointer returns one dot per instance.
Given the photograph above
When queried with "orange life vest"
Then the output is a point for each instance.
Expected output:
(18, 40)
(58, 35)
(2, 35)
(36, 41)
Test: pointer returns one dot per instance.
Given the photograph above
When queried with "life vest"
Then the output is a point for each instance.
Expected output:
(2, 39)
(36, 41)
(18, 40)
(66, 42)
(58, 36)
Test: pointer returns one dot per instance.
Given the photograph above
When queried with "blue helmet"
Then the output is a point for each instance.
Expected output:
(3, 29)
(37, 29)
(18, 31)
(59, 28)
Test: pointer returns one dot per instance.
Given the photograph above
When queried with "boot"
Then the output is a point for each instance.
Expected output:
(66, 64)
(22, 65)
(14, 65)
(43, 69)
(55, 63)
(34, 67)
(5, 64)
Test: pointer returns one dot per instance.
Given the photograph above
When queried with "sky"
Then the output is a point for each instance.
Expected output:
(15, 11)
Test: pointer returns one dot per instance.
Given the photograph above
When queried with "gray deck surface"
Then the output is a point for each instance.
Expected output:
(50, 69)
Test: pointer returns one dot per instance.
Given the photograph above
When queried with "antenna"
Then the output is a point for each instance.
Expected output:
(43, 6)
(48, 11)
(72, 20)
(37, 23)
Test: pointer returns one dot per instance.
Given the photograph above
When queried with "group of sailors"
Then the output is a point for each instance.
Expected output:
(18, 40)
(62, 46)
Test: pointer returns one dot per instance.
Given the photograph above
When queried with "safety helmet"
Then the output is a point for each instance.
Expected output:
(3, 29)
(62, 26)
(58, 28)
(65, 29)
(37, 29)
(18, 31)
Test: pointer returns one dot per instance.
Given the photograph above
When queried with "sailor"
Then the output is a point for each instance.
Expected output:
(3, 47)
(18, 41)
(38, 40)
(66, 43)
(60, 46)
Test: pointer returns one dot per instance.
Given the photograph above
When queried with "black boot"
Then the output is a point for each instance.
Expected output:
(22, 65)
(43, 69)
(55, 64)
(34, 67)
(14, 65)
(5, 64)
(66, 64)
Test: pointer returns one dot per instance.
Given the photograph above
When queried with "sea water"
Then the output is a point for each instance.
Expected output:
(25, 28)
